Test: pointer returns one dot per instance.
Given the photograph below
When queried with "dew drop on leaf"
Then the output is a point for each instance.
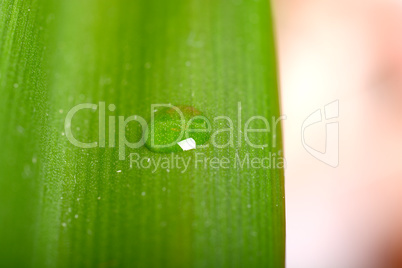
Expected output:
(177, 129)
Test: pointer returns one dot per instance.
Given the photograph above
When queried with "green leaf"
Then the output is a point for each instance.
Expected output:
(67, 206)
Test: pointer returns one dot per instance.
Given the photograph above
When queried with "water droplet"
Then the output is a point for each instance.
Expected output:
(20, 129)
(177, 129)
(143, 193)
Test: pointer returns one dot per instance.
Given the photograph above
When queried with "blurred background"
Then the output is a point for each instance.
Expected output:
(351, 51)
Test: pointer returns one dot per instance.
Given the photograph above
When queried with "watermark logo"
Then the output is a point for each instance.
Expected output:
(170, 126)
(330, 155)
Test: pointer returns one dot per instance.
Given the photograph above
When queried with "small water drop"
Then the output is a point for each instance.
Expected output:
(177, 129)
(143, 193)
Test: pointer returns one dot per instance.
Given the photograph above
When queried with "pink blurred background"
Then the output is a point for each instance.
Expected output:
(351, 51)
